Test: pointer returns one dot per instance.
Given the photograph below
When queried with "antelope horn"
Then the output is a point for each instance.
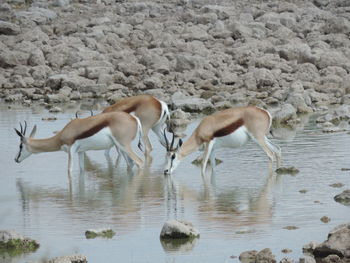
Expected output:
(166, 140)
(25, 128)
(92, 113)
(20, 124)
(76, 114)
(172, 141)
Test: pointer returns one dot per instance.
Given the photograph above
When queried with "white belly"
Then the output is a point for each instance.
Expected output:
(234, 140)
(99, 141)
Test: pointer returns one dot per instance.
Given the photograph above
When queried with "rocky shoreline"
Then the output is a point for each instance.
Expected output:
(293, 57)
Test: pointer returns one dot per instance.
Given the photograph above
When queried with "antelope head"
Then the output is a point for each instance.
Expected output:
(24, 148)
(172, 156)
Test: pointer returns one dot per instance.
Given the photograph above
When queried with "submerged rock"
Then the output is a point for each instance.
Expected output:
(14, 243)
(198, 161)
(178, 229)
(343, 198)
(69, 259)
(287, 170)
(178, 244)
(252, 256)
(290, 227)
(248, 256)
(105, 233)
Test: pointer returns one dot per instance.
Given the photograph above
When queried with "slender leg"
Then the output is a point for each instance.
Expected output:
(276, 150)
(133, 156)
(81, 161)
(70, 160)
(212, 159)
(266, 149)
(117, 161)
(148, 145)
(207, 151)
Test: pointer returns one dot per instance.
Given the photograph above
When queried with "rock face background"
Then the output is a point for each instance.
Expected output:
(199, 55)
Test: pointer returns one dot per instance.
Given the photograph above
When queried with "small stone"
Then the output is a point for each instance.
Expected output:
(309, 247)
(105, 233)
(287, 170)
(337, 185)
(290, 227)
(325, 219)
(303, 191)
(69, 259)
(55, 109)
(287, 260)
(286, 250)
(345, 169)
(49, 118)
(307, 259)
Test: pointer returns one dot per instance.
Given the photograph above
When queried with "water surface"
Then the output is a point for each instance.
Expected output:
(240, 208)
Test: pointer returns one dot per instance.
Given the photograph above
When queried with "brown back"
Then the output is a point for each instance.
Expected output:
(82, 128)
(222, 123)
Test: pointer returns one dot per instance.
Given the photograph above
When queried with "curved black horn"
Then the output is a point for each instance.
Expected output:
(25, 128)
(166, 140)
(76, 114)
(173, 140)
(20, 125)
(92, 113)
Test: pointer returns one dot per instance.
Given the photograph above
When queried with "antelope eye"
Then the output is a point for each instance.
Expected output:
(173, 157)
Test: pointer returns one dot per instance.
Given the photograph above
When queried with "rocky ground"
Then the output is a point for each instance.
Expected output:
(198, 55)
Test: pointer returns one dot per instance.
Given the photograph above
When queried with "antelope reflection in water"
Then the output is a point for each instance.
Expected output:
(110, 196)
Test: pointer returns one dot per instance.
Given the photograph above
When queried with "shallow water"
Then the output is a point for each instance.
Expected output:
(239, 208)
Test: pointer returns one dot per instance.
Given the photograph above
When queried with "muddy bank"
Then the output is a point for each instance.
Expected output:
(193, 54)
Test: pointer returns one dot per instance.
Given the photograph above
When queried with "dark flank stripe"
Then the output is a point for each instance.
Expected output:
(132, 108)
(229, 128)
(93, 130)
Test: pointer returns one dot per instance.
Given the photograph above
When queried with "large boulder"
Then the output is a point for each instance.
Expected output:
(337, 243)
(191, 104)
(285, 114)
(343, 198)
(174, 229)
(7, 28)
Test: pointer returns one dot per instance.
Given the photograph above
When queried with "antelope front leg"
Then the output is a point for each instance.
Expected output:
(70, 161)
(207, 151)
(81, 161)
(133, 156)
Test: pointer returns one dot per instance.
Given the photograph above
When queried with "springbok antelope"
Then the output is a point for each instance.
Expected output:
(230, 128)
(153, 114)
(98, 132)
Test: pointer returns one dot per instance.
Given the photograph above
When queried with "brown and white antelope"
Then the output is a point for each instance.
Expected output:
(230, 128)
(153, 114)
(98, 132)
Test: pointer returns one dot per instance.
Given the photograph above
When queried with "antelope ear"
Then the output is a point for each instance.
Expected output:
(18, 133)
(32, 133)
